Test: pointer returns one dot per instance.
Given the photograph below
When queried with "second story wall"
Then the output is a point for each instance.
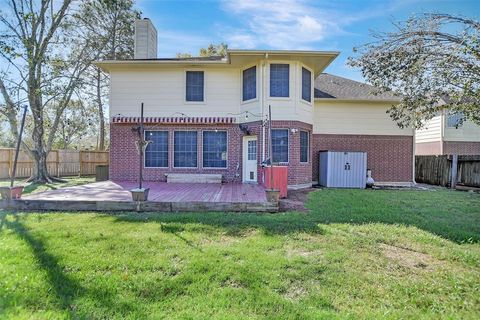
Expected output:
(468, 132)
(163, 92)
(359, 118)
(431, 131)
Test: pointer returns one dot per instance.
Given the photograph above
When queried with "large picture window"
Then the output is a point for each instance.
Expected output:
(185, 149)
(214, 149)
(304, 146)
(279, 145)
(455, 120)
(306, 85)
(279, 80)
(156, 153)
(194, 86)
(250, 83)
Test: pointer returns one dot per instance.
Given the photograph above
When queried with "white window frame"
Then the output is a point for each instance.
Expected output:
(215, 168)
(168, 150)
(290, 82)
(308, 146)
(173, 150)
(185, 101)
(256, 84)
(312, 85)
(288, 145)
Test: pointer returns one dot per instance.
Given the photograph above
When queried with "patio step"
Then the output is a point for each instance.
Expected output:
(194, 177)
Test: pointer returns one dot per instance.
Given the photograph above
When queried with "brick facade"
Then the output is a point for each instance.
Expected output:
(389, 157)
(124, 157)
(461, 147)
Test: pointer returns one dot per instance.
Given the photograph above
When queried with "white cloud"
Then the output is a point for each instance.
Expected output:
(279, 24)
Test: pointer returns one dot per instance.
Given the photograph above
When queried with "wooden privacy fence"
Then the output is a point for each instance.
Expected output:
(59, 162)
(442, 170)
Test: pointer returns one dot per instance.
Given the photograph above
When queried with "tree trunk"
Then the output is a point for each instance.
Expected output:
(101, 116)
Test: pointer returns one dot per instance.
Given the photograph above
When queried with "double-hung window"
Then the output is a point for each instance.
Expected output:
(455, 120)
(279, 80)
(279, 145)
(306, 85)
(195, 81)
(249, 83)
(185, 149)
(304, 146)
(214, 149)
(156, 153)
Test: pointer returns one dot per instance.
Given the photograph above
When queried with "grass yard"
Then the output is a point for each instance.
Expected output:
(39, 187)
(356, 254)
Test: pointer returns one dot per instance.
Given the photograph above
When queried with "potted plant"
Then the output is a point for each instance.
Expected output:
(9, 193)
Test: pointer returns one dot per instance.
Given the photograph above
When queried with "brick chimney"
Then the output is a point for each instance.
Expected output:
(145, 40)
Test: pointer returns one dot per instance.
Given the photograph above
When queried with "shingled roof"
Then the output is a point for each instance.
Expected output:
(333, 87)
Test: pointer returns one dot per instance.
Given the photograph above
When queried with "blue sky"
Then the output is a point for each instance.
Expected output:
(187, 25)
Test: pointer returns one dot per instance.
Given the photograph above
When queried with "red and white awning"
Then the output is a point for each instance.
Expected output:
(175, 120)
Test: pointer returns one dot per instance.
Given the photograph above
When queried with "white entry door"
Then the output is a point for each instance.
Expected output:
(250, 159)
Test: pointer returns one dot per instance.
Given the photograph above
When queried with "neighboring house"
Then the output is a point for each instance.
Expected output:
(206, 115)
(446, 133)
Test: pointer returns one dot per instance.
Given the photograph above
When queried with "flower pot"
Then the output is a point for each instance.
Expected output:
(140, 194)
(14, 192)
(272, 195)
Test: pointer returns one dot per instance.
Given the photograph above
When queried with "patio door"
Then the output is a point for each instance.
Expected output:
(250, 159)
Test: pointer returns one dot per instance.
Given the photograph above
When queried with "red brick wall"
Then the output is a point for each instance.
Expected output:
(461, 147)
(389, 157)
(124, 159)
(428, 148)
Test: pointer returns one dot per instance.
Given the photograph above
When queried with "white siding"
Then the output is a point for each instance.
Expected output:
(369, 118)
(431, 132)
(163, 93)
(468, 131)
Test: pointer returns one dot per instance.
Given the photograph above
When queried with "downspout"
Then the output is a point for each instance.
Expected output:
(264, 66)
(413, 155)
(442, 130)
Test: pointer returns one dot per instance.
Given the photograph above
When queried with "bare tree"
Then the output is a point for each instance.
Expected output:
(428, 59)
(36, 43)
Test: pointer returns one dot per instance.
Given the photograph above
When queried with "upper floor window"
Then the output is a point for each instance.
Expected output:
(156, 153)
(306, 85)
(455, 120)
(279, 80)
(185, 149)
(279, 145)
(250, 83)
(194, 86)
(214, 149)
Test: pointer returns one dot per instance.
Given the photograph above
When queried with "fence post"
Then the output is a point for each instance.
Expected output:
(80, 158)
(10, 163)
(454, 171)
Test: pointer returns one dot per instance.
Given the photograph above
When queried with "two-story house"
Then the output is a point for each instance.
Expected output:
(207, 115)
(448, 133)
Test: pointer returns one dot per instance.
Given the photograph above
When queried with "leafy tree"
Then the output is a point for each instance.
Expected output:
(428, 59)
(45, 55)
(214, 50)
(211, 50)
(111, 22)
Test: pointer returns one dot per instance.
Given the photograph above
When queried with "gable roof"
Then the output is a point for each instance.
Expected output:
(328, 86)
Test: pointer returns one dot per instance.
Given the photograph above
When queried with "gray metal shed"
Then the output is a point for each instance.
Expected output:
(342, 169)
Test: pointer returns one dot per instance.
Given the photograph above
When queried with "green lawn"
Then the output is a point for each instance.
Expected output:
(357, 254)
(39, 187)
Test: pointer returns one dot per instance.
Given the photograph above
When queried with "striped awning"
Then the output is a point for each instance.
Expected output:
(175, 120)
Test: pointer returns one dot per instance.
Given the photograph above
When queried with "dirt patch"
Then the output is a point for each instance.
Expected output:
(408, 258)
(296, 200)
